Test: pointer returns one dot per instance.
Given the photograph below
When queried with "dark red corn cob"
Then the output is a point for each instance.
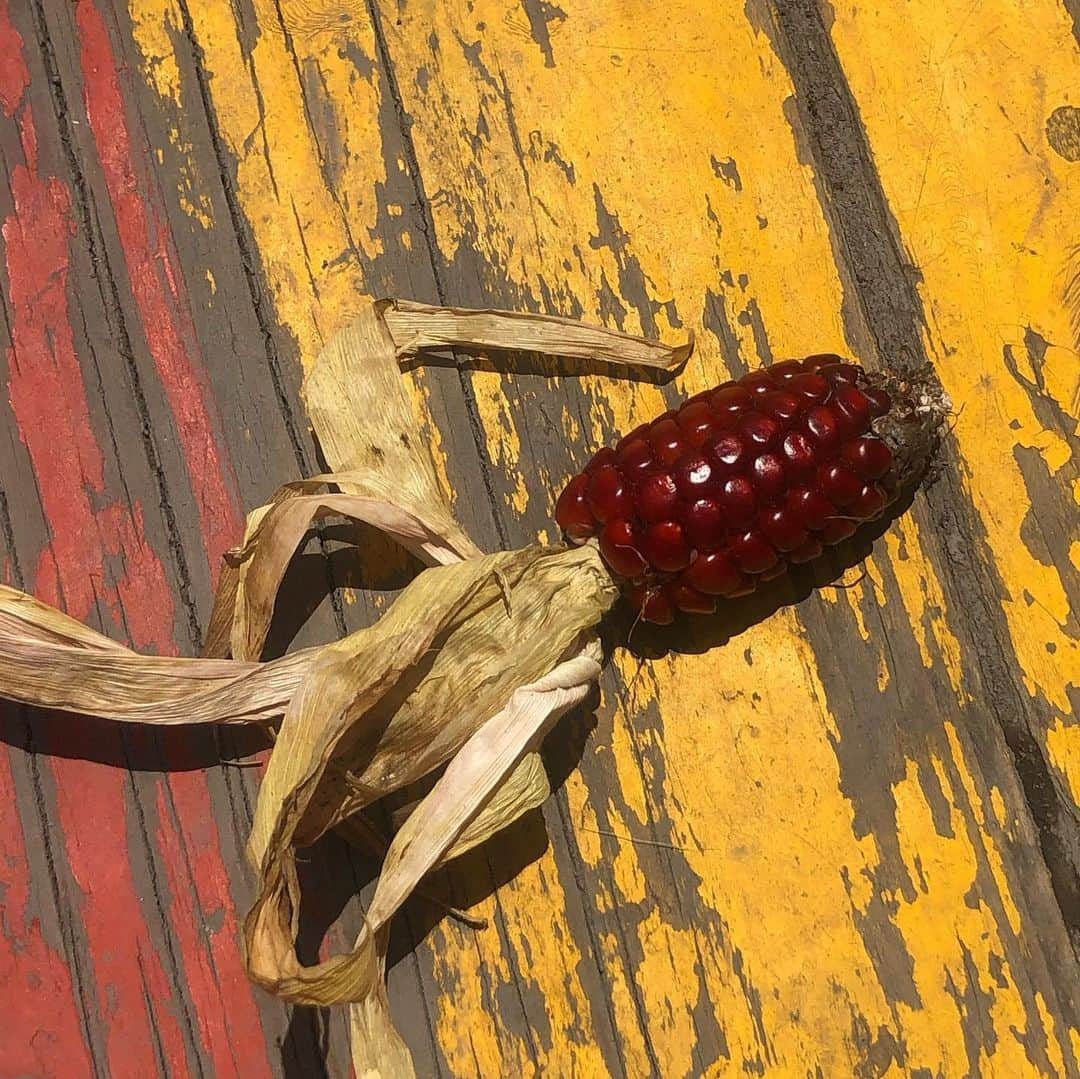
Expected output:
(750, 477)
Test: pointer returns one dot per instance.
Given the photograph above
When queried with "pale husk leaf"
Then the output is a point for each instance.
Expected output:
(356, 398)
(275, 534)
(52, 661)
(368, 433)
(417, 327)
(435, 832)
(390, 703)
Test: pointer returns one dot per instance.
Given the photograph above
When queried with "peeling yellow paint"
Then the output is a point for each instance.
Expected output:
(975, 800)
(1001, 815)
(924, 600)
(155, 27)
(1063, 748)
(632, 1047)
(987, 209)
(943, 866)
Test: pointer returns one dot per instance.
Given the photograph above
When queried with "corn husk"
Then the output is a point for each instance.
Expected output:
(461, 677)
(417, 328)
(52, 661)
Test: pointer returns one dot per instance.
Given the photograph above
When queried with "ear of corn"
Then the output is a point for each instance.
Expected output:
(750, 477)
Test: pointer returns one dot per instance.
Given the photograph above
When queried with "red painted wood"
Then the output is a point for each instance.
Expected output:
(36, 979)
(157, 283)
(47, 397)
(188, 838)
(90, 529)
(35, 982)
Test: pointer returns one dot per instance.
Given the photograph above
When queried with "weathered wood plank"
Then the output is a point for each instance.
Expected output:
(767, 859)
(878, 788)
(969, 137)
(328, 276)
(118, 501)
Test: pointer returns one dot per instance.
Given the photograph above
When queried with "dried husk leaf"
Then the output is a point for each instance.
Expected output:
(278, 529)
(52, 661)
(417, 327)
(465, 672)
(390, 703)
(383, 473)
(437, 831)
(356, 398)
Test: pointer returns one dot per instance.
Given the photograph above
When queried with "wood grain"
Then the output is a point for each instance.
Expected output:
(984, 204)
(828, 833)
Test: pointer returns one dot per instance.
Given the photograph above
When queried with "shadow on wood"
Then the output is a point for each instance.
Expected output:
(136, 747)
(694, 634)
(537, 363)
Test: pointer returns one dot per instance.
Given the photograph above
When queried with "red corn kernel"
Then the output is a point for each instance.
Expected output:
(665, 546)
(715, 574)
(620, 545)
(758, 382)
(880, 401)
(821, 359)
(869, 502)
(685, 598)
(780, 405)
(809, 385)
(840, 373)
(783, 529)
(838, 483)
(811, 507)
(665, 437)
(603, 457)
(852, 404)
(768, 476)
(837, 529)
(700, 429)
(609, 494)
(692, 412)
(786, 369)
(703, 522)
(810, 550)
(752, 552)
(694, 476)
(656, 608)
(636, 458)
(572, 511)
(730, 400)
(822, 429)
(800, 454)
(738, 501)
(728, 453)
(656, 498)
(869, 457)
(760, 432)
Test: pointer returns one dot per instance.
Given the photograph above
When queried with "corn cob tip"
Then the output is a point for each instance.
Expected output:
(915, 424)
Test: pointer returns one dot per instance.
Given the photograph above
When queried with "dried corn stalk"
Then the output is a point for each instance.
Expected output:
(468, 669)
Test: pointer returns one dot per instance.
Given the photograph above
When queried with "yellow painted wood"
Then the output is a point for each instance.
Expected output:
(645, 145)
(960, 125)
(640, 168)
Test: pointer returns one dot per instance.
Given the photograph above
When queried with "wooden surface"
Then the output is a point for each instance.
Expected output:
(839, 840)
